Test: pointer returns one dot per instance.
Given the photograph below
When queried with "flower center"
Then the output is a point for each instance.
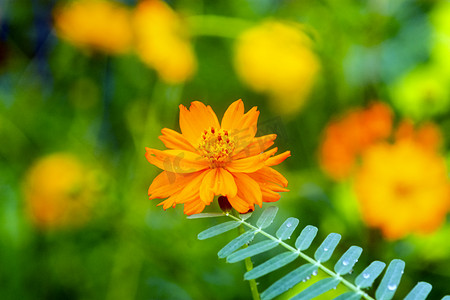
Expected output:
(217, 146)
(403, 190)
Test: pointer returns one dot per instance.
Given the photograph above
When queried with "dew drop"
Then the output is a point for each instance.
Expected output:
(314, 273)
(325, 249)
(334, 288)
(392, 287)
(288, 225)
(366, 275)
(308, 278)
(345, 262)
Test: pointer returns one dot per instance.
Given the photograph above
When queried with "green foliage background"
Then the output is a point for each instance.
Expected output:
(106, 109)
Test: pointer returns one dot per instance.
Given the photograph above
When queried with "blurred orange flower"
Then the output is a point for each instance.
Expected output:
(95, 25)
(403, 188)
(345, 139)
(210, 158)
(276, 58)
(58, 192)
(427, 135)
(162, 41)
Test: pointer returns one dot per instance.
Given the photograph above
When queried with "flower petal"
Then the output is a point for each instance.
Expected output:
(240, 204)
(248, 188)
(195, 120)
(233, 115)
(168, 183)
(176, 161)
(206, 193)
(268, 174)
(194, 207)
(257, 146)
(250, 164)
(168, 202)
(217, 182)
(176, 141)
(269, 195)
(191, 191)
(242, 127)
(278, 159)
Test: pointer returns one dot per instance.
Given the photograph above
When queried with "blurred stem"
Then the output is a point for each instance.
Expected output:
(218, 26)
(248, 264)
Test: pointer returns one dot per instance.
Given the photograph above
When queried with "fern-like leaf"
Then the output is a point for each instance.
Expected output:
(237, 250)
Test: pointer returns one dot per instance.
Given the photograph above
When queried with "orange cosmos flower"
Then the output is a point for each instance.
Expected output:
(210, 158)
(347, 138)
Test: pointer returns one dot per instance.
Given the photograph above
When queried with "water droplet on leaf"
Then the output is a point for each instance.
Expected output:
(392, 287)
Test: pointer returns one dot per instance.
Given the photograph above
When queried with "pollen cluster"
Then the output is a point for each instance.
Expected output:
(216, 145)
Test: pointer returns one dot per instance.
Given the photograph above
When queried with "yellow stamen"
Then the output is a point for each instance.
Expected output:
(217, 146)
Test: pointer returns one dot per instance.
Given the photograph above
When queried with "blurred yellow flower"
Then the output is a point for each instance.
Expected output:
(276, 58)
(95, 25)
(162, 41)
(59, 192)
(345, 139)
(403, 188)
(421, 93)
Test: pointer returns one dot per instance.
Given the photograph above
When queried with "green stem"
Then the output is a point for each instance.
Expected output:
(248, 265)
(218, 26)
(345, 282)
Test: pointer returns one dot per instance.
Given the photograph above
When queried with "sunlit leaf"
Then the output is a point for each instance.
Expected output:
(317, 289)
(348, 296)
(288, 281)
